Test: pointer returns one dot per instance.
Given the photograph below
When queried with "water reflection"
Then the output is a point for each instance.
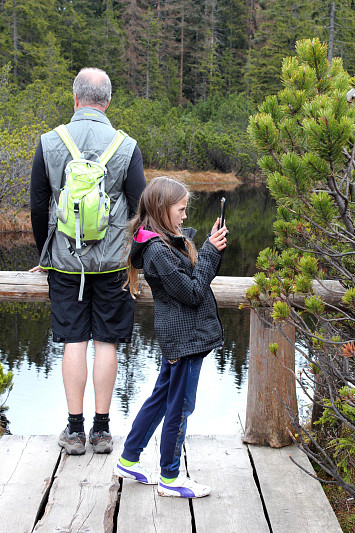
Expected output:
(250, 212)
(27, 349)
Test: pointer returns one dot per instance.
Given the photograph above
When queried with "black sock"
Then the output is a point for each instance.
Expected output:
(101, 422)
(76, 423)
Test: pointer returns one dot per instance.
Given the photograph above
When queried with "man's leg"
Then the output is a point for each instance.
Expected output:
(74, 370)
(112, 322)
(104, 375)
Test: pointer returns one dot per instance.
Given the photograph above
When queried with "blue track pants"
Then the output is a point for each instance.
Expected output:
(173, 397)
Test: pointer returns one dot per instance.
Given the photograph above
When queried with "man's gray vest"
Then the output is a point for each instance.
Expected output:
(92, 133)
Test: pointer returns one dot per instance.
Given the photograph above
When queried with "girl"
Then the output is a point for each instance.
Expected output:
(186, 324)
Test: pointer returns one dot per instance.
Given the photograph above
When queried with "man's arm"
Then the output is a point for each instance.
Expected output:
(135, 182)
(40, 198)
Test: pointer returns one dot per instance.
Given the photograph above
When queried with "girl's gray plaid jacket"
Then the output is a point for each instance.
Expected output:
(186, 319)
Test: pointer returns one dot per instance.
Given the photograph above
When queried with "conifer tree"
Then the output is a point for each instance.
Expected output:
(151, 66)
(306, 136)
(23, 34)
(233, 43)
(132, 15)
(278, 24)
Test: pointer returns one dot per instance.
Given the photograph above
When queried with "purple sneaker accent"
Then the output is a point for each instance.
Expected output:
(137, 472)
(185, 493)
(137, 475)
(183, 487)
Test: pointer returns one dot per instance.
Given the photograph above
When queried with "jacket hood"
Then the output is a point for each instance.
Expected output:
(143, 237)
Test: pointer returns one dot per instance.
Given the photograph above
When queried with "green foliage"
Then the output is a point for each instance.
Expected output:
(252, 293)
(273, 347)
(323, 206)
(343, 446)
(314, 305)
(6, 383)
(16, 156)
(309, 266)
(214, 59)
(349, 297)
(306, 135)
(207, 136)
(184, 50)
(281, 311)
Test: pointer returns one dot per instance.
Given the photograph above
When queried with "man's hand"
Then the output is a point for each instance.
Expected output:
(37, 269)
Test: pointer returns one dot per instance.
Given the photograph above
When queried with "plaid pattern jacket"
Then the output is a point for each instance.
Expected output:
(186, 319)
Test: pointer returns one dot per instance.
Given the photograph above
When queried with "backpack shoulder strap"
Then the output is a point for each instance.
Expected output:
(112, 147)
(68, 141)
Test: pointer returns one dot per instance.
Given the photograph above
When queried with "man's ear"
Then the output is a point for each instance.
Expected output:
(108, 103)
(76, 102)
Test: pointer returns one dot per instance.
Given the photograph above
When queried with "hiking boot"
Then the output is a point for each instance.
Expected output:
(73, 443)
(137, 472)
(183, 487)
(101, 441)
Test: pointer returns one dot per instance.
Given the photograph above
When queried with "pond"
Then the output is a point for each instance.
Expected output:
(37, 402)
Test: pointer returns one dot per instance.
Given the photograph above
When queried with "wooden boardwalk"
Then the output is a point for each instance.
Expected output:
(254, 490)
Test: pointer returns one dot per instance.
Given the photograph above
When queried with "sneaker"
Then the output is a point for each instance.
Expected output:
(137, 472)
(101, 441)
(183, 487)
(74, 443)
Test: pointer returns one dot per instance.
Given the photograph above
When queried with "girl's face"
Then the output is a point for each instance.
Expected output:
(177, 212)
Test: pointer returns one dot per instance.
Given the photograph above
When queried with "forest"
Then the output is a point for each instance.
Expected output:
(186, 74)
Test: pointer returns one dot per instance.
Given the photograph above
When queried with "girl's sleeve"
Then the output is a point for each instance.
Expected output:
(189, 290)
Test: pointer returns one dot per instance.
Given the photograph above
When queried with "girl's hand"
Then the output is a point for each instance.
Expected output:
(218, 237)
(215, 226)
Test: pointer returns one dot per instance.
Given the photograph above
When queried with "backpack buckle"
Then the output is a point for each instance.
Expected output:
(76, 206)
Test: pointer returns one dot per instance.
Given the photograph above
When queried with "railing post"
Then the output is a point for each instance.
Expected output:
(269, 382)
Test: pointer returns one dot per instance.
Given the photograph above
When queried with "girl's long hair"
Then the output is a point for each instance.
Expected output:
(153, 213)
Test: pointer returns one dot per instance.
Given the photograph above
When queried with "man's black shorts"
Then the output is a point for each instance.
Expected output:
(105, 314)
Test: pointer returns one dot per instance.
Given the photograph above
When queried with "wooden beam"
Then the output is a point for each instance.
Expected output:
(229, 291)
(271, 381)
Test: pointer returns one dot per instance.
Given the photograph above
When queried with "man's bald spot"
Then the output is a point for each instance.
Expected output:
(92, 87)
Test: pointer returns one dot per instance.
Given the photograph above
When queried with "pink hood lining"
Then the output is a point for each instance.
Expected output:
(144, 235)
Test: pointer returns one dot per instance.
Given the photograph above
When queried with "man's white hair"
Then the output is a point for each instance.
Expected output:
(92, 86)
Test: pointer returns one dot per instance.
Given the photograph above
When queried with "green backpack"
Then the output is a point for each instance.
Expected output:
(83, 207)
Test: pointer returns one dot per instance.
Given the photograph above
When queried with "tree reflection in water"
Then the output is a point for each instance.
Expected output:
(25, 336)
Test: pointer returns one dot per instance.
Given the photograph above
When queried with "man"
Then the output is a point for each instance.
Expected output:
(105, 313)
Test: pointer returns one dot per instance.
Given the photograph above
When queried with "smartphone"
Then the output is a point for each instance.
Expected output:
(221, 216)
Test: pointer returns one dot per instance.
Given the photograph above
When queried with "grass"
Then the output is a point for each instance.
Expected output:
(343, 504)
(15, 221)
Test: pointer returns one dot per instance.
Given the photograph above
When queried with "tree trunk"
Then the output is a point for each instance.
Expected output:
(15, 40)
(147, 88)
(331, 33)
(270, 383)
(182, 52)
(250, 44)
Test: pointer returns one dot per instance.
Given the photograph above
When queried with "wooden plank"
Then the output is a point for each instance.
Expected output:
(27, 466)
(294, 501)
(23, 286)
(84, 494)
(141, 509)
(234, 505)
(229, 291)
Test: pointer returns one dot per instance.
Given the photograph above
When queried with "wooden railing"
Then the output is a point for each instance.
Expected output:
(271, 379)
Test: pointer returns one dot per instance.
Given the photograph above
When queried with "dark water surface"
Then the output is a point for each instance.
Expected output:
(37, 402)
